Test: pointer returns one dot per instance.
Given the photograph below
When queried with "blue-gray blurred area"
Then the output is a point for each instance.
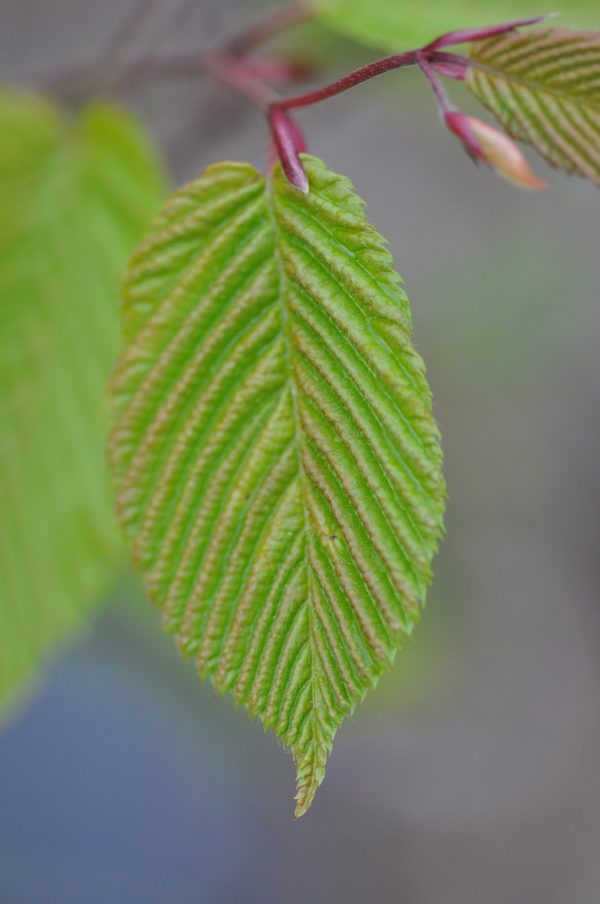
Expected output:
(471, 776)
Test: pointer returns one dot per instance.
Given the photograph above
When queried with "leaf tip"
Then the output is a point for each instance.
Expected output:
(304, 798)
(310, 772)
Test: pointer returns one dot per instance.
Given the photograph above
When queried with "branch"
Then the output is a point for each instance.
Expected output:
(273, 24)
(113, 62)
(190, 64)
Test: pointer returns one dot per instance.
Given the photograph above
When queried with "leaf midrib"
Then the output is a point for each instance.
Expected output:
(298, 441)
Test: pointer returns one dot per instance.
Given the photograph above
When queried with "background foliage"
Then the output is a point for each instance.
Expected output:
(74, 199)
(396, 25)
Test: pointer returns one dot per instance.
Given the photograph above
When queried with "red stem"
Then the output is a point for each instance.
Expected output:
(371, 70)
(451, 65)
(232, 67)
(436, 86)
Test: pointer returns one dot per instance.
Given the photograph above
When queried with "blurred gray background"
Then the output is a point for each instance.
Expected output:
(471, 775)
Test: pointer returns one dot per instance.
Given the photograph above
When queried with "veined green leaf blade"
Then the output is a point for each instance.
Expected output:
(74, 199)
(543, 85)
(407, 24)
(278, 468)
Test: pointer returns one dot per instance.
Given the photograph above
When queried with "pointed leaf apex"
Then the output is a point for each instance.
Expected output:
(304, 801)
(310, 770)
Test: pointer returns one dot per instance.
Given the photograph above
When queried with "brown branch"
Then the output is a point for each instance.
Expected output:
(272, 24)
(225, 64)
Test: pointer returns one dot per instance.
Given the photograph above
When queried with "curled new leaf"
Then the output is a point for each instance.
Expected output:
(278, 467)
(497, 150)
(543, 86)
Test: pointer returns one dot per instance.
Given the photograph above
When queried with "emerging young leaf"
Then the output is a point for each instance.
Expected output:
(406, 24)
(543, 85)
(74, 198)
(278, 467)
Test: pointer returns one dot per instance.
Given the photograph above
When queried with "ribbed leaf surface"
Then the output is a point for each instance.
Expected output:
(278, 466)
(408, 24)
(74, 199)
(543, 85)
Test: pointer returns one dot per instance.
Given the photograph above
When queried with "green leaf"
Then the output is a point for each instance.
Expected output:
(278, 467)
(75, 196)
(407, 24)
(543, 86)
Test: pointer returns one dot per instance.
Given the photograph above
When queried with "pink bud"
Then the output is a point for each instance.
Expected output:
(484, 142)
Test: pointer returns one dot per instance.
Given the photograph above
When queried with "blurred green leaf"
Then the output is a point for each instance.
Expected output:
(543, 85)
(406, 24)
(75, 195)
(279, 469)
